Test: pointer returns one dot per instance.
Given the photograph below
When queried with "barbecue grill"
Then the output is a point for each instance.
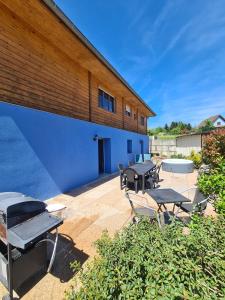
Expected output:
(24, 227)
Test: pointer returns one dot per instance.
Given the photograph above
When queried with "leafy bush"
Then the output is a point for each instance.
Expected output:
(211, 183)
(196, 158)
(144, 262)
(213, 151)
(178, 156)
(214, 183)
(220, 204)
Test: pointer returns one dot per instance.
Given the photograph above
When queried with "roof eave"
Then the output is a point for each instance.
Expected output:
(59, 13)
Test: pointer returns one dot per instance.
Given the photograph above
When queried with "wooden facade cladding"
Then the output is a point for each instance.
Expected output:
(51, 70)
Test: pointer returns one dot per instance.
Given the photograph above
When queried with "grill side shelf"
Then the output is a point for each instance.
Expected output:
(25, 234)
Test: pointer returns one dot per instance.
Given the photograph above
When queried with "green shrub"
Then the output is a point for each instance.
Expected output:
(144, 262)
(196, 158)
(211, 183)
(214, 183)
(220, 204)
(213, 151)
(177, 156)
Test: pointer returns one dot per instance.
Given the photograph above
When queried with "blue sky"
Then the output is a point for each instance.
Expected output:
(171, 52)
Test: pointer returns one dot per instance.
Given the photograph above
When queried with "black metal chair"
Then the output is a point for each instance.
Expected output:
(122, 176)
(199, 202)
(139, 208)
(132, 179)
(154, 174)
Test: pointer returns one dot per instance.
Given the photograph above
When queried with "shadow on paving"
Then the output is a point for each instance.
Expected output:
(85, 188)
(66, 254)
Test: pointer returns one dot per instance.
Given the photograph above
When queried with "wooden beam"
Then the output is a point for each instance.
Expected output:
(146, 122)
(123, 111)
(89, 95)
(137, 119)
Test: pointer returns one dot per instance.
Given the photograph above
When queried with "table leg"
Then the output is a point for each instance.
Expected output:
(173, 207)
(178, 210)
(159, 208)
(167, 210)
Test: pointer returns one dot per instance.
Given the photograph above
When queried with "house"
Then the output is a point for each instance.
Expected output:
(217, 121)
(66, 115)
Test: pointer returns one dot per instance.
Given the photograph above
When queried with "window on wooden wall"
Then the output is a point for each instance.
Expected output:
(142, 121)
(106, 101)
(129, 146)
(127, 110)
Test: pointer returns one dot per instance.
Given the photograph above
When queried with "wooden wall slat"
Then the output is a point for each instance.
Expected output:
(35, 73)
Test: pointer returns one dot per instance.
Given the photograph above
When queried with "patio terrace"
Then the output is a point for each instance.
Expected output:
(91, 209)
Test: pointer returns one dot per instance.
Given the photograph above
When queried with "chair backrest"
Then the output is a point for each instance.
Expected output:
(131, 175)
(121, 167)
(200, 200)
(147, 156)
(140, 203)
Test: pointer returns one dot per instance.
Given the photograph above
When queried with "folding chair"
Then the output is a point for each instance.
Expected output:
(199, 202)
(139, 208)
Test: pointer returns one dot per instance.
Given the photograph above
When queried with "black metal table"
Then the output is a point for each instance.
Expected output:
(166, 196)
(142, 169)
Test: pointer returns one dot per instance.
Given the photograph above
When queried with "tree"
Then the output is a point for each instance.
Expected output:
(189, 127)
(173, 125)
(174, 128)
(208, 125)
(155, 131)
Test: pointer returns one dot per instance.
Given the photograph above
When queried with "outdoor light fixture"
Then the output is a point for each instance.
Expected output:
(95, 138)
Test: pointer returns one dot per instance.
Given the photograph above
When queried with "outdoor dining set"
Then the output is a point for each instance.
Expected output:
(144, 176)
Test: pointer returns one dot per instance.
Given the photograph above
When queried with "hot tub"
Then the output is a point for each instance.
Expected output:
(176, 165)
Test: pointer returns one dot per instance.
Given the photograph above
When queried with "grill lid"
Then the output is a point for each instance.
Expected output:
(18, 209)
(26, 204)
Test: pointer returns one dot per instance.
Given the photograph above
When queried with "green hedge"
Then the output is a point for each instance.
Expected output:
(144, 262)
(214, 183)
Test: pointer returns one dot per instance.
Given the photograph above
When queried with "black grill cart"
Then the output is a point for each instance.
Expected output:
(24, 227)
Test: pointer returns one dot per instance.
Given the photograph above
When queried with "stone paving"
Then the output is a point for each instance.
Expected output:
(90, 210)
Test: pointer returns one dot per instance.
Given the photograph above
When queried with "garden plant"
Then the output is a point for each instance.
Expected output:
(213, 153)
(145, 262)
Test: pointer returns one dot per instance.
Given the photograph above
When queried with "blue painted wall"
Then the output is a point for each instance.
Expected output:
(43, 154)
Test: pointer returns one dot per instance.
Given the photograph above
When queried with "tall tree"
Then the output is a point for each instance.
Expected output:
(166, 127)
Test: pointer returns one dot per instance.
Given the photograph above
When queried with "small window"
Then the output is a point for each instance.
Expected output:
(218, 123)
(106, 101)
(128, 110)
(129, 146)
(142, 120)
